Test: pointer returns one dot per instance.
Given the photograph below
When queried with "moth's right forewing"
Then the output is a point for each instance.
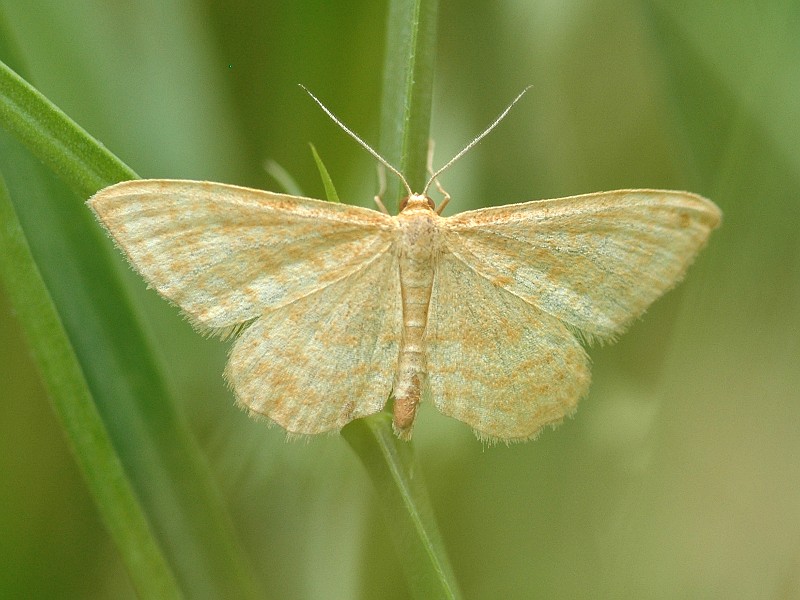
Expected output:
(596, 261)
(225, 254)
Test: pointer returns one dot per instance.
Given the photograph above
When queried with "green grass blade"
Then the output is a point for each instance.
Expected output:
(75, 409)
(116, 351)
(80, 160)
(330, 189)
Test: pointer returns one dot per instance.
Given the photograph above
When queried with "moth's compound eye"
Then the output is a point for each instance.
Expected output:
(430, 203)
(403, 203)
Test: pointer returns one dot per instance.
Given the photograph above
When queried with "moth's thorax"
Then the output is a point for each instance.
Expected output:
(417, 220)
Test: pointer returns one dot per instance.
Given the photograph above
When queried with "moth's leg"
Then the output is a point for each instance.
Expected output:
(445, 199)
(381, 189)
(445, 195)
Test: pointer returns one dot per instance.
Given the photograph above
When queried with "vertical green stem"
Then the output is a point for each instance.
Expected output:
(390, 463)
(408, 91)
(393, 469)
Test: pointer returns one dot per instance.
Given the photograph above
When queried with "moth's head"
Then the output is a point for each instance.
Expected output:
(417, 202)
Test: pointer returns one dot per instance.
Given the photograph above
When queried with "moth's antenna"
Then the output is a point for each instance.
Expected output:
(363, 144)
(473, 142)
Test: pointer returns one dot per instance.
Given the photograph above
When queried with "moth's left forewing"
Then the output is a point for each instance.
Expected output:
(595, 261)
(226, 254)
(330, 357)
(316, 284)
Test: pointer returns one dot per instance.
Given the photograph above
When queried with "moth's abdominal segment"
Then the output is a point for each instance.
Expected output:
(405, 408)
(417, 221)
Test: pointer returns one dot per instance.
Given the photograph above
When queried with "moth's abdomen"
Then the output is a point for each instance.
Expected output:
(416, 280)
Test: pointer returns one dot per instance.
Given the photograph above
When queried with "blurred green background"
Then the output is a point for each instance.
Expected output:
(679, 476)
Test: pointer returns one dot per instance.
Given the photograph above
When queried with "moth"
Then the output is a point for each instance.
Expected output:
(336, 307)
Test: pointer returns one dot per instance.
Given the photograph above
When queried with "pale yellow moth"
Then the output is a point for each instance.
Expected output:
(336, 307)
